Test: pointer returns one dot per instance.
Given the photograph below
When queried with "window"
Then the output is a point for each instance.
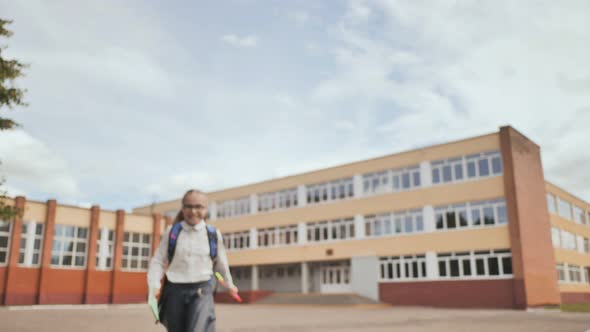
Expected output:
(278, 236)
(393, 180)
(565, 209)
(561, 272)
(587, 245)
(30, 244)
(233, 208)
(551, 203)
(555, 237)
(478, 264)
(411, 221)
(136, 251)
(568, 240)
(277, 200)
(330, 191)
(338, 229)
(399, 268)
(5, 231)
(473, 166)
(575, 273)
(579, 215)
(237, 241)
(69, 246)
(104, 249)
(471, 214)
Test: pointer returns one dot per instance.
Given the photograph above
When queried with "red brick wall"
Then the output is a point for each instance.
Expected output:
(571, 298)
(131, 287)
(23, 288)
(447, 293)
(533, 257)
(99, 290)
(64, 286)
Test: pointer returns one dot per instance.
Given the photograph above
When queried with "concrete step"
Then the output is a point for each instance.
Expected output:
(317, 299)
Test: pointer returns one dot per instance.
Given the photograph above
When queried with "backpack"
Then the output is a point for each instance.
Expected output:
(173, 236)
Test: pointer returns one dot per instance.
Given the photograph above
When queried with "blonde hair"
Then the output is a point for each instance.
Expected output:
(180, 215)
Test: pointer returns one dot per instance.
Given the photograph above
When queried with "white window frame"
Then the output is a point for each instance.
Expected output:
(472, 257)
(579, 215)
(278, 200)
(130, 243)
(564, 209)
(400, 268)
(469, 208)
(105, 248)
(392, 180)
(236, 241)
(556, 237)
(394, 223)
(233, 207)
(552, 203)
(7, 235)
(27, 252)
(568, 240)
(331, 230)
(461, 163)
(330, 191)
(63, 239)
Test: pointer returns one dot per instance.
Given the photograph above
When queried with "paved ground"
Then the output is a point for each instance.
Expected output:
(252, 318)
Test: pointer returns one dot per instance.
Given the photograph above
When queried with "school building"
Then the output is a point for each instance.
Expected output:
(471, 223)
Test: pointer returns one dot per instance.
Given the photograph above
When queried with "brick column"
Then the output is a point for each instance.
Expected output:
(91, 259)
(11, 269)
(533, 260)
(46, 254)
(118, 255)
(156, 232)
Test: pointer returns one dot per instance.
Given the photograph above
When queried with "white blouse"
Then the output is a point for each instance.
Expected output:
(191, 261)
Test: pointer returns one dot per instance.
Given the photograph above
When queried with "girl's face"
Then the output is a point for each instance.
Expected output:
(194, 207)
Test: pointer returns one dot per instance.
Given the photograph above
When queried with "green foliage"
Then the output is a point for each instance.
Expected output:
(10, 97)
(10, 70)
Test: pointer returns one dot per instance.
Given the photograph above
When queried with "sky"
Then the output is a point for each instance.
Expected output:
(137, 101)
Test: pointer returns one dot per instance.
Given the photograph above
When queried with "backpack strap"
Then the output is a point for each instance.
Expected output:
(172, 238)
(212, 236)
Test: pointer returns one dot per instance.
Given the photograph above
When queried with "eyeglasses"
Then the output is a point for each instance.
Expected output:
(190, 207)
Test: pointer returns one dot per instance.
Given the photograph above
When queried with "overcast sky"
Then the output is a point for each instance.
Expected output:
(135, 101)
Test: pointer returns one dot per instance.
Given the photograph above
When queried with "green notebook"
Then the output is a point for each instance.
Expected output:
(153, 303)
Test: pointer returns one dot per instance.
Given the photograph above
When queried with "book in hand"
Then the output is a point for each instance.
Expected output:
(153, 303)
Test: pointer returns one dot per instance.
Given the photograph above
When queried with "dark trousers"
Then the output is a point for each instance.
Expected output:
(188, 307)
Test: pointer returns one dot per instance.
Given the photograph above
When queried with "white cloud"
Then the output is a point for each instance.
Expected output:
(30, 166)
(457, 69)
(235, 40)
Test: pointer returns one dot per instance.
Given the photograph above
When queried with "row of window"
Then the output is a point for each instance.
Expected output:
(567, 210)
(338, 229)
(479, 165)
(393, 180)
(566, 240)
(462, 168)
(283, 199)
(471, 214)
(330, 191)
(236, 241)
(233, 207)
(454, 265)
(69, 248)
(394, 223)
(569, 273)
(277, 236)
